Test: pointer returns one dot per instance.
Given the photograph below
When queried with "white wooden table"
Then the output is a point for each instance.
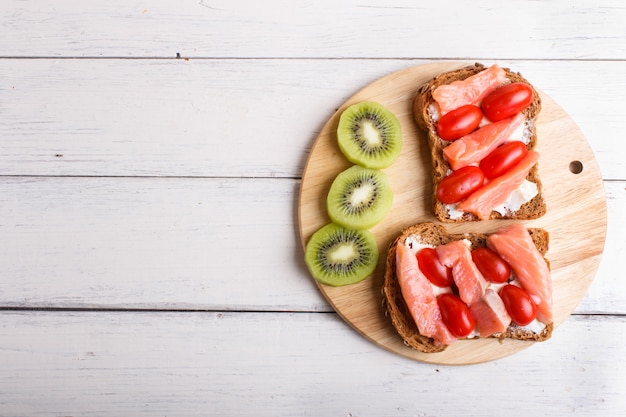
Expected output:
(150, 161)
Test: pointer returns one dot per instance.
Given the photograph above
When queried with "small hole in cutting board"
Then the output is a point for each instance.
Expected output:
(576, 167)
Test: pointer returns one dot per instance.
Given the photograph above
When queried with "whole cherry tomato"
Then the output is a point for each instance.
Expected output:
(459, 122)
(503, 158)
(437, 273)
(519, 304)
(491, 265)
(455, 315)
(507, 101)
(459, 184)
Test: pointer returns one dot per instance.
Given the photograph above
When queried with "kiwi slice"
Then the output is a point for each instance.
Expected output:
(338, 256)
(359, 198)
(369, 135)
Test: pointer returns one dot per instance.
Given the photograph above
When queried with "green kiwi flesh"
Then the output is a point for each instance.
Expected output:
(338, 256)
(369, 135)
(359, 198)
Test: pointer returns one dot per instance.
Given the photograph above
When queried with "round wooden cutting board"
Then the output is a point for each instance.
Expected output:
(575, 218)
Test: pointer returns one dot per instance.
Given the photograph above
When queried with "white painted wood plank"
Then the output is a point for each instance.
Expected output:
(602, 293)
(146, 243)
(176, 243)
(236, 118)
(321, 28)
(278, 364)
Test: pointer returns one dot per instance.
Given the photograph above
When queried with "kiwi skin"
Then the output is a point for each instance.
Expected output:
(370, 135)
(355, 252)
(359, 198)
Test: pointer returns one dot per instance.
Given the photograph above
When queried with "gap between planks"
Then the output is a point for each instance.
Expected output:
(210, 311)
(301, 58)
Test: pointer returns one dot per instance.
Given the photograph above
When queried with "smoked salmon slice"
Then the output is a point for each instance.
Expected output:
(497, 191)
(515, 245)
(467, 277)
(490, 314)
(472, 148)
(419, 297)
(471, 90)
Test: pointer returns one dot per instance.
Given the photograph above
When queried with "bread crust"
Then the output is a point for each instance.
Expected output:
(435, 235)
(439, 166)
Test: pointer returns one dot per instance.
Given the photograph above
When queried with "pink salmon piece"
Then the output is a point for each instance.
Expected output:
(472, 148)
(467, 277)
(514, 245)
(419, 297)
(497, 191)
(471, 90)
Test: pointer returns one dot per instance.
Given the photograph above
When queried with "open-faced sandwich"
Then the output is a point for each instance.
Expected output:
(480, 124)
(441, 287)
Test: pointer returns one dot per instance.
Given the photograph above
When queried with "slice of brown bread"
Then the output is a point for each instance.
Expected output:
(435, 235)
(423, 115)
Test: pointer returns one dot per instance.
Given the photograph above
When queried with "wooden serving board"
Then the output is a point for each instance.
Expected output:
(576, 213)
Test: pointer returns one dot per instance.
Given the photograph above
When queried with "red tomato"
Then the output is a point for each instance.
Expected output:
(491, 265)
(507, 101)
(435, 271)
(503, 158)
(459, 122)
(519, 304)
(456, 315)
(458, 185)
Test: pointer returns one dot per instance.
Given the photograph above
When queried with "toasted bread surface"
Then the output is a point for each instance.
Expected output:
(423, 114)
(435, 234)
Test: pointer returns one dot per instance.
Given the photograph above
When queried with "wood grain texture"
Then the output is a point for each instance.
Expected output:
(355, 29)
(185, 118)
(220, 244)
(251, 364)
(576, 217)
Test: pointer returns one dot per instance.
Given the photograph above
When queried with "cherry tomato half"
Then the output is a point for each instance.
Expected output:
(491, 265)
(437, 273)
(507, 100)
(503, 158)
(455, 315)
(459, 122)
(458, 185)
(518, 304)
